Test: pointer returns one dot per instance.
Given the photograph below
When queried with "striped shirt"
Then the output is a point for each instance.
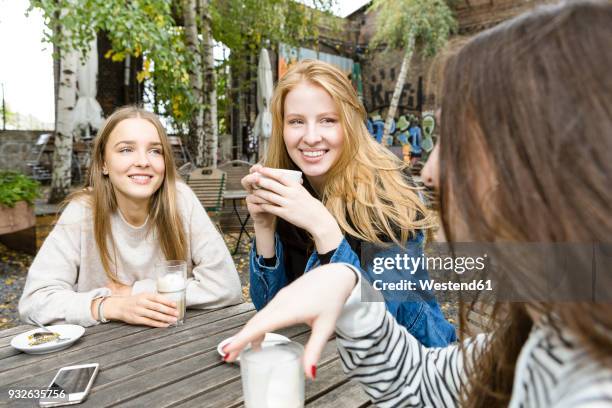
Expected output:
(395, 370)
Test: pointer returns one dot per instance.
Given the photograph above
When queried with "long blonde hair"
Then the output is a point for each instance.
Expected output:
(365, 189)
(100, 195)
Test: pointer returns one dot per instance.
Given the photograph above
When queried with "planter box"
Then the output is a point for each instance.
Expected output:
(18, 227)
(17, 218)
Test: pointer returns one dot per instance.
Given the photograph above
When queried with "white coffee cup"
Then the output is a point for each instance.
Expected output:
(293, 175)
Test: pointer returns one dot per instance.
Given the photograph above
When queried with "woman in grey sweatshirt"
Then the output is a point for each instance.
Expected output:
(132, 214)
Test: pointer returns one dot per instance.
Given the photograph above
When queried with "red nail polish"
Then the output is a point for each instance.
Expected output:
(225, 357)
(313, 371)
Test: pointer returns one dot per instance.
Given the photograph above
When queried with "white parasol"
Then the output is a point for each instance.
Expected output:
(88, 111)
(263, 122)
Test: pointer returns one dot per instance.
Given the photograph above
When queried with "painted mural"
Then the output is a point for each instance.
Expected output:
(414, 135)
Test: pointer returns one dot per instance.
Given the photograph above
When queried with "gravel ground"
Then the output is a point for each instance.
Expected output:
(13, 269)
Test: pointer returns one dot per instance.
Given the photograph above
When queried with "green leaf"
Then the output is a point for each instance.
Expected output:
(15, 187)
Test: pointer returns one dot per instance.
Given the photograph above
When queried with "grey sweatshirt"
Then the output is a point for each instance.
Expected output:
(67, 273)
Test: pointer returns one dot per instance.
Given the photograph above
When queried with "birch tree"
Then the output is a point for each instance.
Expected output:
(196, 126)
(203, 133)
(404, 24)
(66, 99)
(211, 130)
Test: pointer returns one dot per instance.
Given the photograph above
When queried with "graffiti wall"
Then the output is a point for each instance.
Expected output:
(379, 75)
(378, 97)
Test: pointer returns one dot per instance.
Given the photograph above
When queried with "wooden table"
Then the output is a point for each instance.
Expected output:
(147, 367)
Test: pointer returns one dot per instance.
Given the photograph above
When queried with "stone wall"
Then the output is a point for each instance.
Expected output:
(15, 146)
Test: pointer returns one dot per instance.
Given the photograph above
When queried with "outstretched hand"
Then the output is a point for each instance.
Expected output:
(316, 299)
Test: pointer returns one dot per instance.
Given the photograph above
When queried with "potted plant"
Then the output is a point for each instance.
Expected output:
(17, 195)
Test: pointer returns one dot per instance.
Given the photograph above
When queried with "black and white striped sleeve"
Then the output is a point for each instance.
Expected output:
(392, 366)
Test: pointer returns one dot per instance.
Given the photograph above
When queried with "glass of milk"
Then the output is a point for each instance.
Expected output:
(172, 283)
(273, 377)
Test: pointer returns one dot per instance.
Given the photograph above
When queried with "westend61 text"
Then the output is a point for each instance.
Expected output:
(403, 285)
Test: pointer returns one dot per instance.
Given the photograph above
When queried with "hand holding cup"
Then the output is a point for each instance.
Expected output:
(282, 196)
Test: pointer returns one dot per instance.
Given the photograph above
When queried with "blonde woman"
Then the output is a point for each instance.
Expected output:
(132, 213)
(354, 192)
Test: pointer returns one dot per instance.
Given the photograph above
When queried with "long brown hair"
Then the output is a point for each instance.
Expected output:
(365, 189)
(534, 94)
(100, 195)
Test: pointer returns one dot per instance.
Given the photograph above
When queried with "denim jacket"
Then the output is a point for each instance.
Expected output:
(423, 319)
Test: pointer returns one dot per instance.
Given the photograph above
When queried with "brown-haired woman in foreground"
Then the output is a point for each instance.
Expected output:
(521, 102)
(132, 214)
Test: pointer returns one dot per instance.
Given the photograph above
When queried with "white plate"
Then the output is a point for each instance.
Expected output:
(270, 340)
(69, 331)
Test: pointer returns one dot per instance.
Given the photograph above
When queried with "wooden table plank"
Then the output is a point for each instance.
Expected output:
(154, 388)
(87, 349)
(13, 331)
(117, 353)
(109, 331)
(201, 389)
(347, 395)
(177, 336)
(7, 335)
(121, 373)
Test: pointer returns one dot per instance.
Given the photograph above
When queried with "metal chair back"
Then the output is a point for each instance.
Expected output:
(235, 170)
(208, 184)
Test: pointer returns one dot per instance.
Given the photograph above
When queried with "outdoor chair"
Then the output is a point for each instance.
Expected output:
(181, 156)
(185, 171)
(235, 170)
(208, 184)
(235, 220)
